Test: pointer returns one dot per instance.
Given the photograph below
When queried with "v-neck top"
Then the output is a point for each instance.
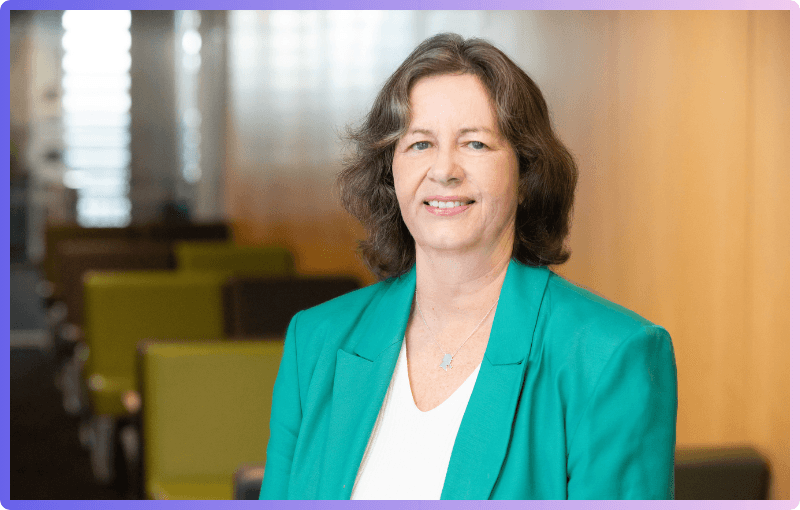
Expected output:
(409, 450)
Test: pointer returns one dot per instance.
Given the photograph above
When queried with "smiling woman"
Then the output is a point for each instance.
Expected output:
(471, 371)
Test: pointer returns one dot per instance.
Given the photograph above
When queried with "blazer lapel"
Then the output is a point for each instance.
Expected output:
(485, 431)
(359, 386)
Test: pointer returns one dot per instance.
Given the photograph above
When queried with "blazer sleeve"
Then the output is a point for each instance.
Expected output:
(623, 446)
(285, 418)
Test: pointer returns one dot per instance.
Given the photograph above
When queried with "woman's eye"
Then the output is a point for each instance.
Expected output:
(477, 145)
(418, 146)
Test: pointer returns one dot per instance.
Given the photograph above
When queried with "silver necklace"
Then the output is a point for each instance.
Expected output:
(447, 359)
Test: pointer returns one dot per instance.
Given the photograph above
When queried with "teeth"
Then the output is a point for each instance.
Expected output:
(445, 205)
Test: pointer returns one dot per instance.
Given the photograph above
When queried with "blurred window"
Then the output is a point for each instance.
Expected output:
(188, 45)
(298, 77)
(96, 114)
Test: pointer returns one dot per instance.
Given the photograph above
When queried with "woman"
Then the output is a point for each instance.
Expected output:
(471, 371)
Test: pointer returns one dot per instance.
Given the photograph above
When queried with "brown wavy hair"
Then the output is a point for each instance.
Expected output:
(547, 172)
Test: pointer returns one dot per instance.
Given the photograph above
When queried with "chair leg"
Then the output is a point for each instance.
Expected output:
(71, 383)
(102, 448)
(130, 443)
(86, 432)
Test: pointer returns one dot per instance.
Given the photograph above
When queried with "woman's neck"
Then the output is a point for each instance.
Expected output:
(459, 285)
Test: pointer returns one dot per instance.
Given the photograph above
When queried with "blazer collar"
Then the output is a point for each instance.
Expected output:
(519, 302)
(360, 383)
(386, 319)
(516, 314)
(485, 431)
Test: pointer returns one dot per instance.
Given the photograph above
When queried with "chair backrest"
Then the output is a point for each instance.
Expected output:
(55, 234)
(218, 231)
(233, 259)
(123, 308)
(265, 306)
(76, 257)
(734, 472)
(205, 410)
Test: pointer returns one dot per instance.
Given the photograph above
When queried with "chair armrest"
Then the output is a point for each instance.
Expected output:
(247, 481)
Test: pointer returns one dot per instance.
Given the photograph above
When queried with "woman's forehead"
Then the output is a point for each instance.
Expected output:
(458, 102)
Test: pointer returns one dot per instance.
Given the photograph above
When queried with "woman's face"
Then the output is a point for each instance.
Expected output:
(455, 174)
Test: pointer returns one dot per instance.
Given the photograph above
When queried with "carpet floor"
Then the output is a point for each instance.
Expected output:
(47, 459)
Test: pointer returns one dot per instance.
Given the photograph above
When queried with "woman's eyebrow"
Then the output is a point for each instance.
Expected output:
(466, 130)
(461, 132)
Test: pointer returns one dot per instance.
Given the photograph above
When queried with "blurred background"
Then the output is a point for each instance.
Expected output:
(679, 121)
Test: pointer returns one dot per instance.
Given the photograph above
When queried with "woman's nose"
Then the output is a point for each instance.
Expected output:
(446, 168)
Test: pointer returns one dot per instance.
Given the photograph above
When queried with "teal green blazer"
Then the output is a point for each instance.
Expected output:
(576, 397)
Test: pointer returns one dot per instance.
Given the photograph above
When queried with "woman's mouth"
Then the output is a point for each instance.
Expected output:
(441, 204)
(447, 207)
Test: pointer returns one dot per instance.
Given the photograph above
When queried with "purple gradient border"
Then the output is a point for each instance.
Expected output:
(416, 4)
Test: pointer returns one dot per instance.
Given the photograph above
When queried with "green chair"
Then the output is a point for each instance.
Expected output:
(121, 309)
(205, 412)
(233, 259)
(77, 257)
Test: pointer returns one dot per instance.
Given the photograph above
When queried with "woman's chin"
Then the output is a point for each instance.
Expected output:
(451, 247)
(465, 244)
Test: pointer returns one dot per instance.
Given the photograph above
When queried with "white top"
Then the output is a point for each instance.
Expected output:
(409, 450)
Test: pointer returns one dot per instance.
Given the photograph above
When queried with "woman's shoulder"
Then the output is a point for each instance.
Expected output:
(570, 298)
(345, 306)
(336, 322)
(581, 321)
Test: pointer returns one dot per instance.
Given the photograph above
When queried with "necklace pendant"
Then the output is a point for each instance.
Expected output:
(447, 362)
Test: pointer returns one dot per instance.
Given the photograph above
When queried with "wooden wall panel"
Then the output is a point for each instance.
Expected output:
(768, 298)
(302, 213)
(684, 218)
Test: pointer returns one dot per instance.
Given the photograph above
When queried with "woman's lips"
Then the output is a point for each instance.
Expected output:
(443, 207)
